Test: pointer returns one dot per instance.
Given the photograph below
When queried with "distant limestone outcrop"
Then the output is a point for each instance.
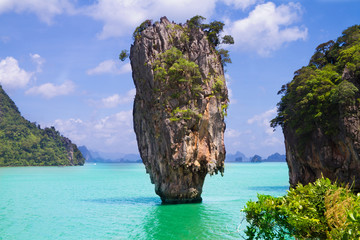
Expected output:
(22, 143)
(179, 108)
(320, 114)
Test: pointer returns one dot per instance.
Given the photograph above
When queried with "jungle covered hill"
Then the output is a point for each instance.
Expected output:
(317, 93)
(23, 143)
(320, 116)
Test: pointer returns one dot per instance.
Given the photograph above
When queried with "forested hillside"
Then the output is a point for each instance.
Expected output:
(22, 143)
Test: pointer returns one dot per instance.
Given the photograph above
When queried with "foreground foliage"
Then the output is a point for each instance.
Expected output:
(319, 210)
(318, 93)
(22, 143)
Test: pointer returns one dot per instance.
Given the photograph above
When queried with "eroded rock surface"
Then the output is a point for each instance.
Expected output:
(179, 108)
(335, 157)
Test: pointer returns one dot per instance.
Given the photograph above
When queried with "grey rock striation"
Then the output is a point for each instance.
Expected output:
(179, 108)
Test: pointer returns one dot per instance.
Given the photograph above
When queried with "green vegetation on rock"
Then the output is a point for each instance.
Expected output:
(213, 31)
(173, 71)
(178, 81)
(319, 210)
(25, 144)
(142, 27)
(316, 94)
(173, 67)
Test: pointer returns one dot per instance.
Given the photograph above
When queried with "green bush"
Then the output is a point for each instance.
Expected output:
(319, 210)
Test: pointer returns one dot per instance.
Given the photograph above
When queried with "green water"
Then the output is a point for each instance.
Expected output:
(117, 201)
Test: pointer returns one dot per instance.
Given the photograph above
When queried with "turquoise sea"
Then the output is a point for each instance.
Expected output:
(117, 201)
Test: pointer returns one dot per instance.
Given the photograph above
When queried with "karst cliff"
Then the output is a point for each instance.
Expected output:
(23, 143)
(179, 107)
(320, 114)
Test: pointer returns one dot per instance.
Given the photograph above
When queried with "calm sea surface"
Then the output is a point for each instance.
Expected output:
(117, 201)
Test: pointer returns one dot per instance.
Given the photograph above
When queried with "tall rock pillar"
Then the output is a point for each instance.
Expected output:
(179, 108)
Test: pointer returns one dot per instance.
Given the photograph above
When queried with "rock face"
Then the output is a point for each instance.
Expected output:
(335, 157)
(181, 99)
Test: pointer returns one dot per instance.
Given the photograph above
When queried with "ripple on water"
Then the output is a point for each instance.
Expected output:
(127, 201)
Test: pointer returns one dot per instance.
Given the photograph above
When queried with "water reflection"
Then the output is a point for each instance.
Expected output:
(185, 221)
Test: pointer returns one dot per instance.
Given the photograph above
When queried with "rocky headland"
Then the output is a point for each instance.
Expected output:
(320, 114)
(23, 143)
(179, 107)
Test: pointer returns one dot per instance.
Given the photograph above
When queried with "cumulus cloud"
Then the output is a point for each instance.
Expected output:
(230, 91)
(116, 99)
(261, 139)
(110, 66)
(263, 120)
(232, 133)
(38, 60)
(45, 10)
(49, 90)
(11, 75)
(121, 17)
(268, 27)
(243, 4)
(272, 141)
(114, 132)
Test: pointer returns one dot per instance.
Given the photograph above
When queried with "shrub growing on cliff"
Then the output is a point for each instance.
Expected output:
(321, 210)
(316, 94)
(124, 55)
(213, 31)
(174, 67)
(142, 27)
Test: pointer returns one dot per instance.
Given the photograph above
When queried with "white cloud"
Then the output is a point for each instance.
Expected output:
(110, 66)
(230, 91)
(265, 30)
(49, 90)
(257, 139)
(263, 120)
(268, 27)
(45, 10)
(232, 133)
(39, 61)
(243, 4)
(121, 17)
(11, 75)
(116, 99)
(109, 134)
(272, 141)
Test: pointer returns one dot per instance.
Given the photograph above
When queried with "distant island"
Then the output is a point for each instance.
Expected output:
(96, 157)
(102, 157)
(25, 144)
(240, 157)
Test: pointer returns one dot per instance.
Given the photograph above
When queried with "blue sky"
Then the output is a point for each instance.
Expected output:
(59, 61)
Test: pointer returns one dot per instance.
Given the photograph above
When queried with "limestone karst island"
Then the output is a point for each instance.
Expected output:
(180, 105)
